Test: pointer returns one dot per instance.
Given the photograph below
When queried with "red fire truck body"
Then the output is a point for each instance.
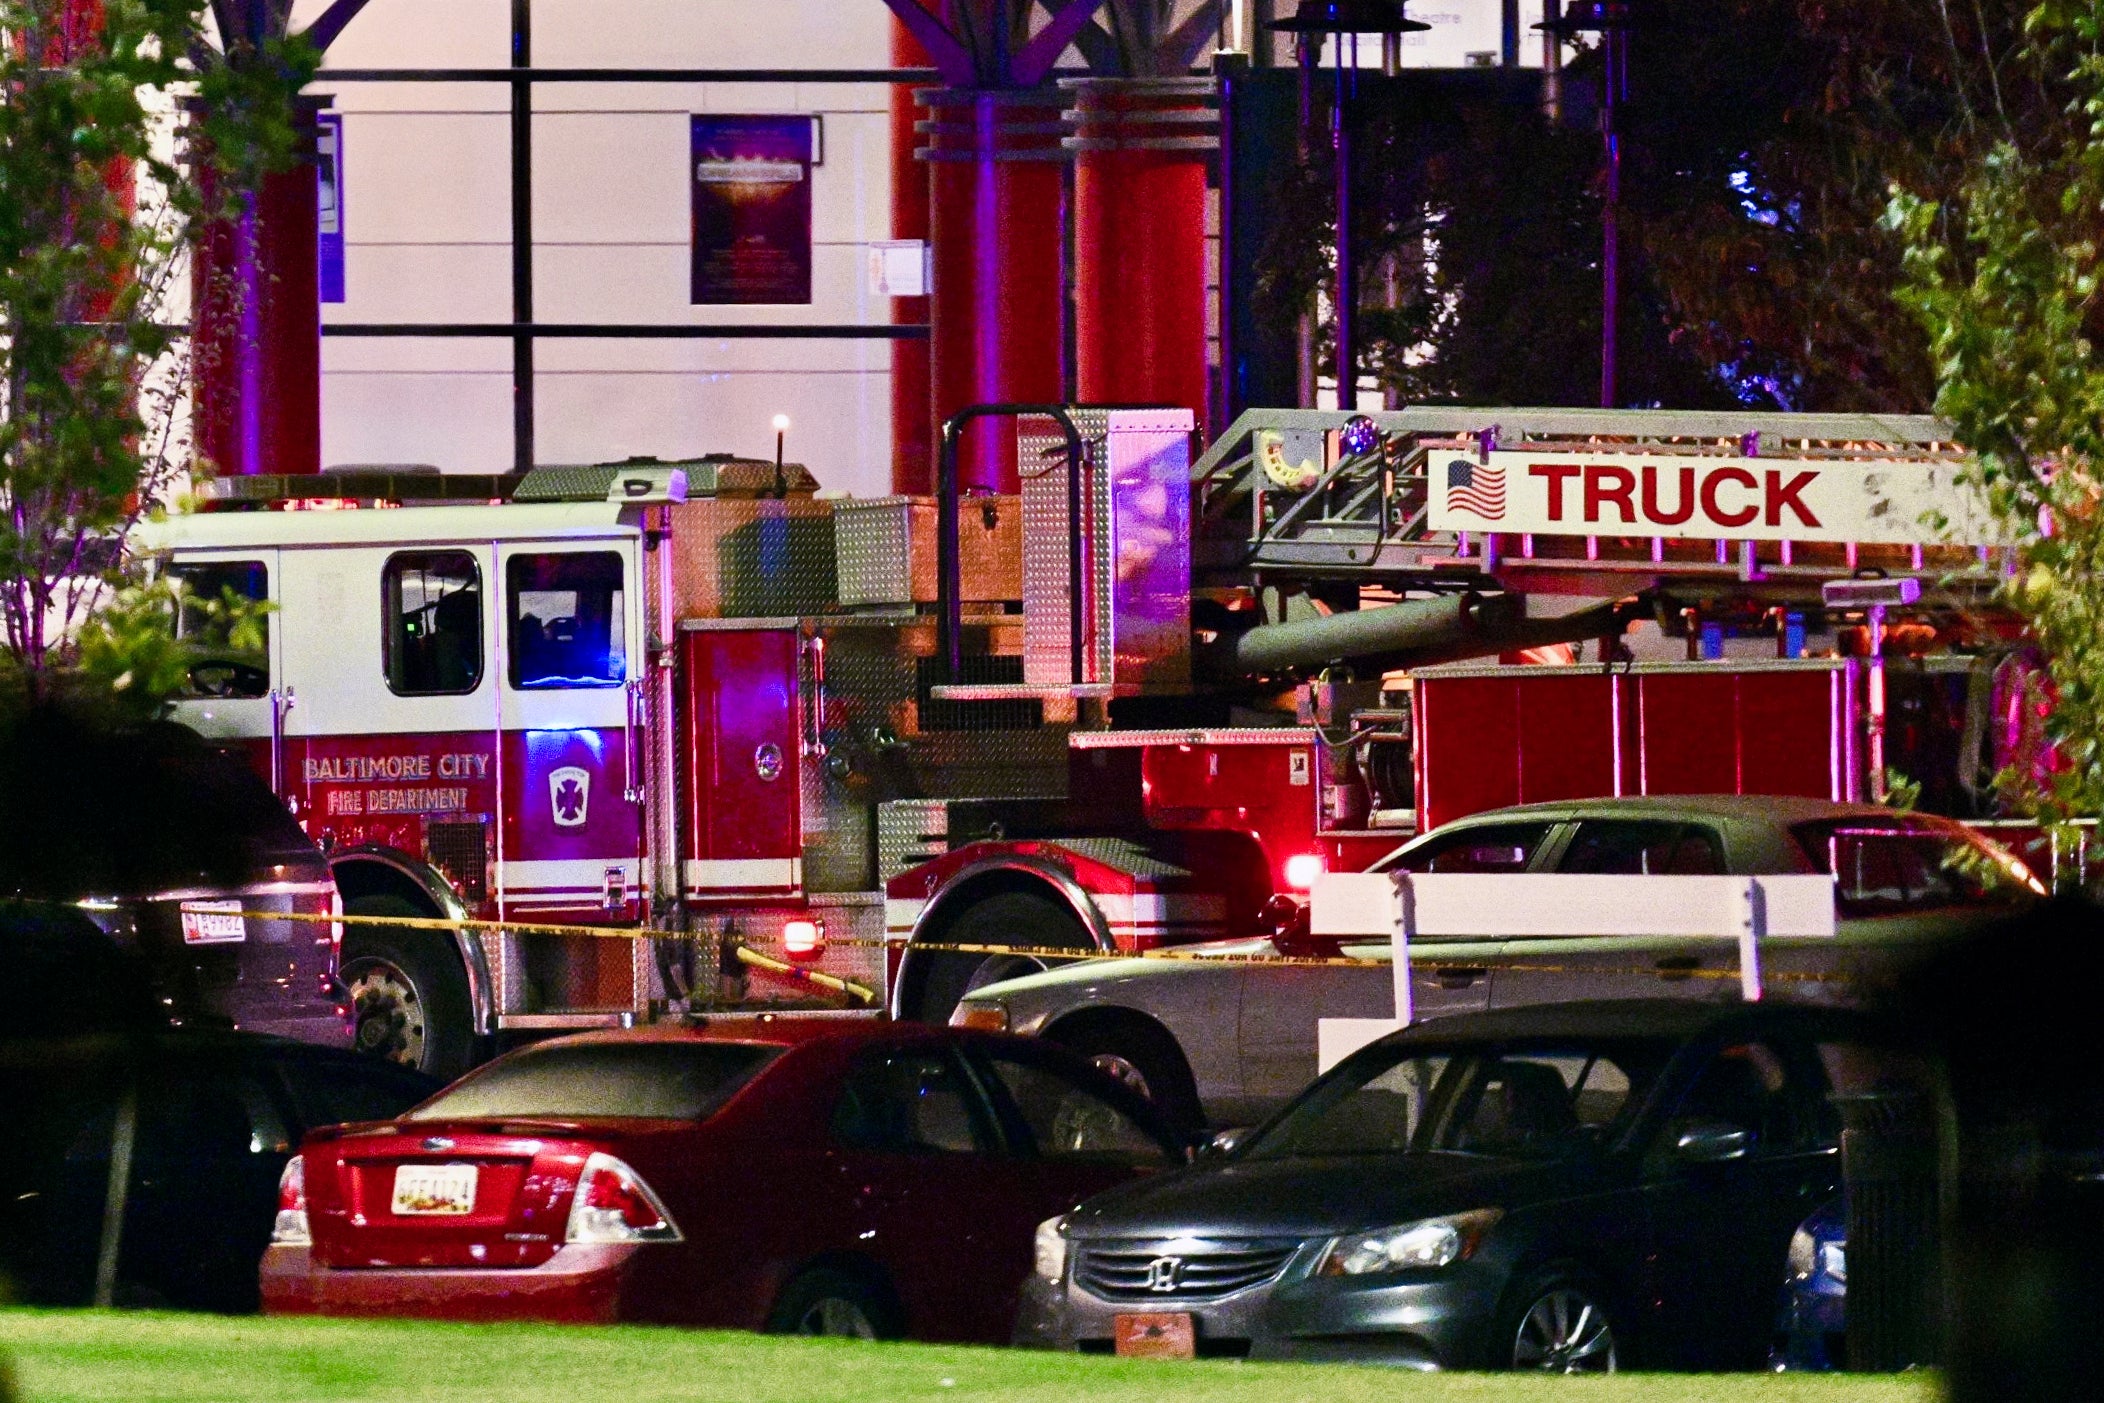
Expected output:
(699, 698)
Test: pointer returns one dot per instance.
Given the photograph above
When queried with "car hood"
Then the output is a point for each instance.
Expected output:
(1321, 1197)
(1064, 977)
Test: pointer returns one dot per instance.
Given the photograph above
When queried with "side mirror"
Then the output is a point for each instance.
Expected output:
(1709, 1141)
(1221, 1145)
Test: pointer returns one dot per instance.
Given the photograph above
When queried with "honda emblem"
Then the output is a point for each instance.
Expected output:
(1165, 1274)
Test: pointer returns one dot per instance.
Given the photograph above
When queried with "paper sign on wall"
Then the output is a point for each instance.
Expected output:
(328, 245)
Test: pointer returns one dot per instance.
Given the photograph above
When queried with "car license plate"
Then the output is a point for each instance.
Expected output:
(1157, 1335)
(213, 923)
(434, 1189)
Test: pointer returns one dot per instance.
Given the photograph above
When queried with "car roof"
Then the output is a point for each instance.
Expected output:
(1782, 809)
(788, 1029)
(1676, 1020)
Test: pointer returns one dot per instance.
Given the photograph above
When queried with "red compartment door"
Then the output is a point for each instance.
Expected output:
(743, 714)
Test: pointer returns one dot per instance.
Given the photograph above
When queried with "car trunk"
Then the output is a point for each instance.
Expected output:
(446, 1194)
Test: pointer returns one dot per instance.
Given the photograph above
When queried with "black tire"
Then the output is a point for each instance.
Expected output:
(824, 1301)
(1144, 1057)
(1560, 1320)
(1022, 918)
(409, 993)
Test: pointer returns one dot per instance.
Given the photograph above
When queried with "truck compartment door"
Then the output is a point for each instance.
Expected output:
(742, 701)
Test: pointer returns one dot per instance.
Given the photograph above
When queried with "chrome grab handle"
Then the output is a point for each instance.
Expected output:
(638, 727)
(815, 743)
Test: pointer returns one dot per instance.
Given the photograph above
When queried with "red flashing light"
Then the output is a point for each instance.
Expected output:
(803, 940)
(1303, 870)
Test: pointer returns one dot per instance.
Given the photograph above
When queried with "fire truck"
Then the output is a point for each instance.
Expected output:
(1146, 699)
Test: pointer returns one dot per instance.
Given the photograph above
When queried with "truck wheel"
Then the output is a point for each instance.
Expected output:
(1006, 918)
(409, 995)
(1146, 1059)
(827, 1302)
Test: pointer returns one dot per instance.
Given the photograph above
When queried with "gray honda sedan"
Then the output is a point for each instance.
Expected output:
(1575, 1188)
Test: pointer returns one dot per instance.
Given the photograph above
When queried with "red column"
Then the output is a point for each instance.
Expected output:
(912, 449)
(256, 315)
(1141, 148)
(995, 221)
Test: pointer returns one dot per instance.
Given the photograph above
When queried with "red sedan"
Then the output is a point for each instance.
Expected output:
(821, 1176)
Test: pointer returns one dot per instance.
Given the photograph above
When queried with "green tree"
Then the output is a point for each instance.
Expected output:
(98, 198)
(2003, 273)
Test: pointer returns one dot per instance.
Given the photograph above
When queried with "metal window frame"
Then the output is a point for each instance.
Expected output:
(522, 330)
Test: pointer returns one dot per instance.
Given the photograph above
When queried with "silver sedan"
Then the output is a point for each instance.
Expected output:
(1217, 1040)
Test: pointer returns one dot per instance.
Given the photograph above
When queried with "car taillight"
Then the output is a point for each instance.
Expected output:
(803, 940)
(1303, 870)
(290, 1230)
(613, 1204)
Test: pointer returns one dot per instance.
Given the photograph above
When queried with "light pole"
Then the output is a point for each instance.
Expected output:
(1610, 19)
(1343, 20)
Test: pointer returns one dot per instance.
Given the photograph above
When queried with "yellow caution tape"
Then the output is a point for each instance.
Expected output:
(1066, 954)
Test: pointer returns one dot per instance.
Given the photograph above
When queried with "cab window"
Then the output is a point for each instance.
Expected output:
(1620, 847)
(1882, 870)
(911, 1102)
(1757, 1088)
(567, 615)
(1488, 847)
(1068, 1121)
(433, 634)
(232, 653)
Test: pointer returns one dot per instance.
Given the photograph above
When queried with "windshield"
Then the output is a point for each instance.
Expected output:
(1889, 868)
(1533, 1102)
(593, 1081)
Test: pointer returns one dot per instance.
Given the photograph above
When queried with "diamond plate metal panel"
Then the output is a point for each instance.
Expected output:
(910, 832)
(743, 558)
(888, 550)
(874, 541)
(1136, 553)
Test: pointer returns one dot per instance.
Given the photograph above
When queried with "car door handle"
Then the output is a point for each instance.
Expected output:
(1677, 966)
(1458, 978)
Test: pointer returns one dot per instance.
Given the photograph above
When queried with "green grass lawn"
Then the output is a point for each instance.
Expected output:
(68, 1356)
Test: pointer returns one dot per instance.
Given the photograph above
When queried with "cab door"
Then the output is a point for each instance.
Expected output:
(235, 693)
(1557, 969)
(743, 712)
(570, 657)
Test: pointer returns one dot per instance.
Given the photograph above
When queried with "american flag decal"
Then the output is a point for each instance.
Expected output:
(1476, 489)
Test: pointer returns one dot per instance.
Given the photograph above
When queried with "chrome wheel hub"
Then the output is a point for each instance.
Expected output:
(1565, 1332)
(387, 1012)
(833, 1316)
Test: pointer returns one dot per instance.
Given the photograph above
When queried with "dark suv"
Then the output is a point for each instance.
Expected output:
(180, 855)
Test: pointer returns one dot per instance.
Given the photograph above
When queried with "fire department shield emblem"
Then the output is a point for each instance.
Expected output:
(569, 794)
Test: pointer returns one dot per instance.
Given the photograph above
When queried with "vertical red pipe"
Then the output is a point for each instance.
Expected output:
(1141, 151)
(256, 312)
(995, 220)
(912, 448)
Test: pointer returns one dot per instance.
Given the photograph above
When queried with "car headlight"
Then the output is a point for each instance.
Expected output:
(1051, 1263)
(984, 1018)
(1811, 1256)
(1429, 1242)
(1804, 1254)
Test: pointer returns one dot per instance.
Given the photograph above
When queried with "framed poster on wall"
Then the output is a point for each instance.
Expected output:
(752, 209)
